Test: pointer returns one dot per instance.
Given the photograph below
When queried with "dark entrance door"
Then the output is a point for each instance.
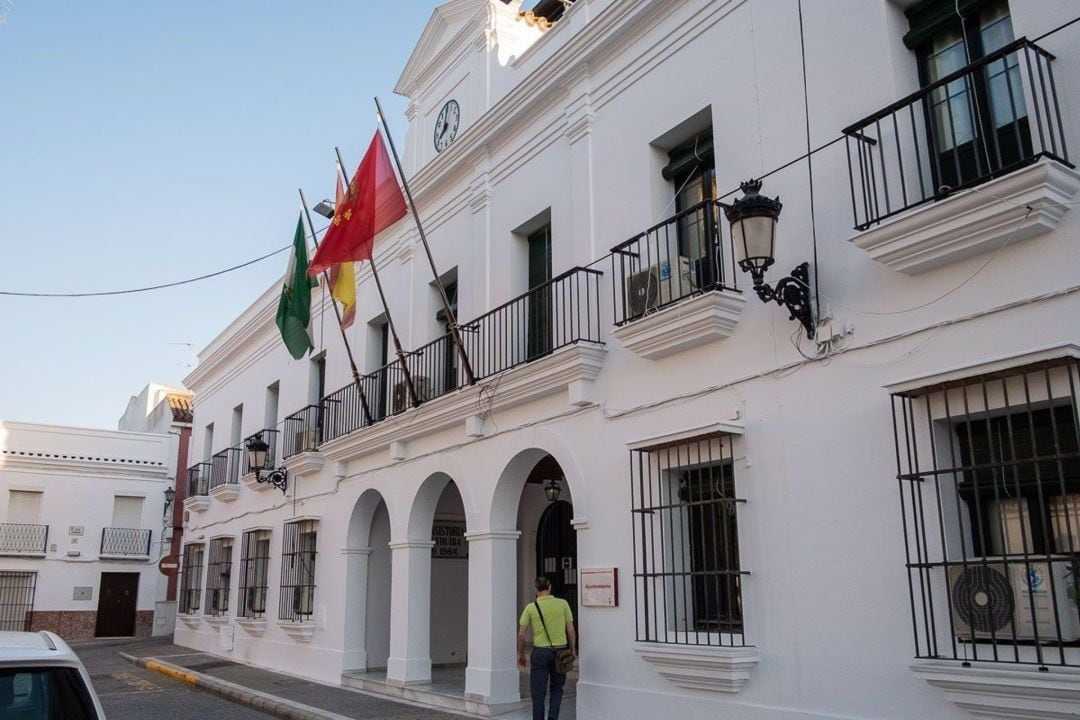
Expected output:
(556, 551)
(116, 605)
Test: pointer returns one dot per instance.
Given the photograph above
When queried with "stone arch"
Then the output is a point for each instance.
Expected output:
(367, 580)
(502, 513)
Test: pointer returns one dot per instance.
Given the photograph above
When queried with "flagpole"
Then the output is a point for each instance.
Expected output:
(450, 314)
(337, 314)
(389, 318)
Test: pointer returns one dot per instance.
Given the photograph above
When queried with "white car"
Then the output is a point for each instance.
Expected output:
(42, 679)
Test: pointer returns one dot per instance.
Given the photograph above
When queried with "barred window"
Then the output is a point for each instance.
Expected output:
(254, 571)
(989, 472)
(191, 578)
(687, 578)
(297, 598)
(218, 576)
(17, 600)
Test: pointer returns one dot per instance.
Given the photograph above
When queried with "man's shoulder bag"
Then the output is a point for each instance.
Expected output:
(564, 657)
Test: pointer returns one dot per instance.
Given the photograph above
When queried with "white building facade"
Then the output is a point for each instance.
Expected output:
(82, 523)
(881, 521)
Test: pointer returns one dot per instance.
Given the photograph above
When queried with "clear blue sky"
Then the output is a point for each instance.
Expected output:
(144, 142)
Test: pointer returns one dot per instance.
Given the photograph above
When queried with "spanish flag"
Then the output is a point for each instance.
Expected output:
(372, 203)
(343, 275)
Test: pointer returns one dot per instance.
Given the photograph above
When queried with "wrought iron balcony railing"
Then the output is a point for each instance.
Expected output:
(20, 539)
(303, 431)
(683, 256)
(981, 122)
(132, 542)
(199, 479)
(561, 312)
(225, 467)
(270, 437)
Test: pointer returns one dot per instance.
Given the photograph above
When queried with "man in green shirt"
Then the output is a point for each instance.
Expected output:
(552, 625)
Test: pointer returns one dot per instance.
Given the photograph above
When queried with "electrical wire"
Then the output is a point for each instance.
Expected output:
(148, 288)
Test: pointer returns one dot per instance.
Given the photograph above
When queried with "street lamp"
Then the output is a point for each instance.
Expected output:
(753, 220)
(325, 208)
(170, 494)
(257, 450)
(552, 490)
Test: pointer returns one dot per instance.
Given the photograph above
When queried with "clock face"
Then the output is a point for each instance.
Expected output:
(446, 126)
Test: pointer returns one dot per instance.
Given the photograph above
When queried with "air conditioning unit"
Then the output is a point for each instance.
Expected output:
(306, 439)
(401, 399)
(656, 286)
(1006, 600)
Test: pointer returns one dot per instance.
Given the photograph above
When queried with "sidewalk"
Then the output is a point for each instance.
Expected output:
(273, 693)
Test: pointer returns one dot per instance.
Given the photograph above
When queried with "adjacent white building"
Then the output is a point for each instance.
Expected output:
(881, 521)
(81, 527)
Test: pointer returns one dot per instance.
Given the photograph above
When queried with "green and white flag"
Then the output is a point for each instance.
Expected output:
(294, 308)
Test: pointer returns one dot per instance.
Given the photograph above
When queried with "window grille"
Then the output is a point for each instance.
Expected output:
(989, 476)
(297, 598)
(218, 576)
(17, 600)
(254, 571)
(687, 578)
(191, 578)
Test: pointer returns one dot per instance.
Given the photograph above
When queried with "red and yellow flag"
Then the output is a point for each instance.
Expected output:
(343, 275)
(372, 203)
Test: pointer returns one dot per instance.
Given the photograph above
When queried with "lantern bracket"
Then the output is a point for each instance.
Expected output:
(791, 293)
(276, 478)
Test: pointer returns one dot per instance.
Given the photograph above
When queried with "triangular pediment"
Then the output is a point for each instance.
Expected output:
(449, 24)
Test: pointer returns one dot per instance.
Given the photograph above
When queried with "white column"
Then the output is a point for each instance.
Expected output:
(492, 676)
(410, 613)
(356, 578)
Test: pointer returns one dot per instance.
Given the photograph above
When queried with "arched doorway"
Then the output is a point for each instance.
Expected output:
(549, 541)
(367, 585)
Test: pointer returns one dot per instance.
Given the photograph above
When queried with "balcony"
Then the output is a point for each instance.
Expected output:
(532, 329)
(676, 284)
(225, 474)
(125, 543)
(198, 487)
(23, 540)
(949, 171)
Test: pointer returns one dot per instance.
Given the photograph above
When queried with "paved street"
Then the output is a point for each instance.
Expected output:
(132, 693)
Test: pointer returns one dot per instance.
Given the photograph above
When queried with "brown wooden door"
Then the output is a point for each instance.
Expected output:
(116, 605)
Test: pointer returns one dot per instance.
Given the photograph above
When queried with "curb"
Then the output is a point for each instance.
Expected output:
(263, 702)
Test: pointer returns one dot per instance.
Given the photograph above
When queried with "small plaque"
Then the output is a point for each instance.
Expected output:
(600, 587)
(449, 538)
(76, 529)
(83, 593)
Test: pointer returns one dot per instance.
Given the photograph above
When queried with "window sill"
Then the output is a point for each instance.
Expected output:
(687, 324)
(717, 669)
(298, 631)
(973, 221)
(189, 619)
(994, 690)
(225, 493)
(23, 553)
(216, 620)
(197, 503)
(252, 626)
(123, 556)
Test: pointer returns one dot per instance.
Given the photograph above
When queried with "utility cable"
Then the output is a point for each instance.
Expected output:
(149, 288)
